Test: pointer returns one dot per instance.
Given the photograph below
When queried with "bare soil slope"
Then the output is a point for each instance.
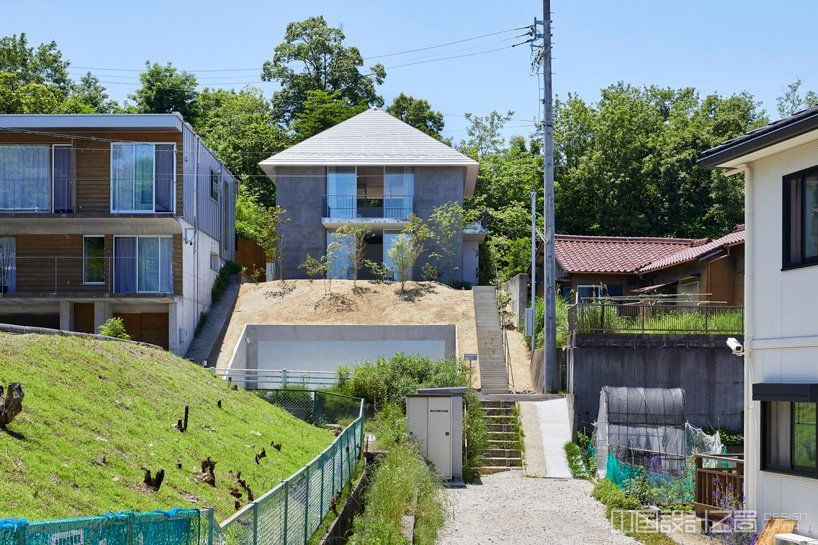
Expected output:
(370, 303)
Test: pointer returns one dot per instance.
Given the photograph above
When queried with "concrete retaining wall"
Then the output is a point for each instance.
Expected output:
(517, 288)
(701, 364)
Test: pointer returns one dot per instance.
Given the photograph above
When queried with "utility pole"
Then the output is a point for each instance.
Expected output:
(533, 270)
(550, 371)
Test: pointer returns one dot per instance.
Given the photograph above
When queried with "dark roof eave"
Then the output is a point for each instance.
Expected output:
(759, 139)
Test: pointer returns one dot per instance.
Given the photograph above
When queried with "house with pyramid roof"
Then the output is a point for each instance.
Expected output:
(373, 170)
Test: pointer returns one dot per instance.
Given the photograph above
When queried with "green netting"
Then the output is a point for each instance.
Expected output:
(620, 473)
(290, 513)
(174, 527)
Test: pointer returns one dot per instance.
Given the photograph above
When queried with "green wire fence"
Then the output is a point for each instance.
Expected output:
(288, 514)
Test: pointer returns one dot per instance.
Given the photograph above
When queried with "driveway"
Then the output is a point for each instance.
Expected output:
(511, 509)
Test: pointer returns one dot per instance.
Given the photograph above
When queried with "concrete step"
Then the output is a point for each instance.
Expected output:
(502, 428)
(508, 462)
(491, 404)
(490, 470)
(503, 445)
(511, 453)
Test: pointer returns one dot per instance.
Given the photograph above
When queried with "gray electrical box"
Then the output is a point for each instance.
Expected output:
(434, 417)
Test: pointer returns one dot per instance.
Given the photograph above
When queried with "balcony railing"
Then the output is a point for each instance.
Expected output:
(397, 207)
(617, 317)
(90, 276)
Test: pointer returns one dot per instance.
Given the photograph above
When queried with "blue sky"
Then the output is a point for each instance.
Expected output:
(718, 45)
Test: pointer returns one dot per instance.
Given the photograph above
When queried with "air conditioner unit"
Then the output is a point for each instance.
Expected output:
(794, 539)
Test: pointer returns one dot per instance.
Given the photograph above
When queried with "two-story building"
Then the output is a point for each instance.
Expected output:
(780, 166)
(373, 170)
(111, 215)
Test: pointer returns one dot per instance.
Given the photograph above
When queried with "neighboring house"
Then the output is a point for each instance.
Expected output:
(373, 170)
(592, 266)
(780, 166)
(111, 215)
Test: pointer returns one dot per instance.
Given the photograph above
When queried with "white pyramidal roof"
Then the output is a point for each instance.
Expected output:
(373, 137)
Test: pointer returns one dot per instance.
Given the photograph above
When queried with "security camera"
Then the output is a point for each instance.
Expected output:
(735, 346)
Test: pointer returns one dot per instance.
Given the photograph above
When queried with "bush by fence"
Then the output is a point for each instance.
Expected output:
(614, 317)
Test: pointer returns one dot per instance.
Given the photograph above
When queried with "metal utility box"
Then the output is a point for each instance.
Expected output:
(434, 417)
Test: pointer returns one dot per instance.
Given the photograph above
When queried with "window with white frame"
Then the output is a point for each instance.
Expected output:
(93, 260)
(142, 177)
(25, 177)
(143, 264)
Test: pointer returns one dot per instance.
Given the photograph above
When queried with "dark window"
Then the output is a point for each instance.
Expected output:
(93, 260)
(214, 185)
(801, 218)
(788, 440)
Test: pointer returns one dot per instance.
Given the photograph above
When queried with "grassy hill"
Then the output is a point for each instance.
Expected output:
(97, 412)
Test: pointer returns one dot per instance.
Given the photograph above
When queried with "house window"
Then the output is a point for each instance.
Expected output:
(93, 260)
(214, 185)
(25, 177)
(142, 177)
(801, 218)
(588, 291)
(8, 265)
(689, 290)
(788, 442)
(143, 264)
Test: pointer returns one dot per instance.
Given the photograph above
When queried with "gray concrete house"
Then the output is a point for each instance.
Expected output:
(375, 170)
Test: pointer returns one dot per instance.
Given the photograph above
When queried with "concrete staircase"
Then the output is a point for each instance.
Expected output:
(503, 452)
(490, 354)
(206, 344)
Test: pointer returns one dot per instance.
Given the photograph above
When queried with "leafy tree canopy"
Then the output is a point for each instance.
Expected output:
(165, 89)
(321, 110)
(418, 113)
(42, 65)
(313, 57)
(240, 128)
(794, 100)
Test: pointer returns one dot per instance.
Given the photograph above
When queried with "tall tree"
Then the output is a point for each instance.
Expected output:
(42, 65)
(165, 89)
(793, 100)
(240, 128)
(89, 93)
(321, 110)
(313, 57)
(485, 133)
(418, 113)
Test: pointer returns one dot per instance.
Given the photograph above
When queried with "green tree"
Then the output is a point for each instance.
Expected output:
(485, 134)
(17, 97)
(313, 57)
(356, 242)
(240, 128)
(165, 89)
(418, 113)
(793, 100)
(42, 65)
(446, 223)
(403, 256)
(321, 110)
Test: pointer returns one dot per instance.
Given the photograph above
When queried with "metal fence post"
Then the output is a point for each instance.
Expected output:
(335, 446)
(321, 504)
(286, 508)
(211, 522)
(284, 378)
(255, 523)
(307, 506)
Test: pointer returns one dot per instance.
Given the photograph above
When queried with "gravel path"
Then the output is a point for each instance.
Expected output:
(509, 508)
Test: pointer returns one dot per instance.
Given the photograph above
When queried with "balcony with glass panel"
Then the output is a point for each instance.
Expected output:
(378, 196)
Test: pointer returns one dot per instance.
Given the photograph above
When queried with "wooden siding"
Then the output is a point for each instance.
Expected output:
(53, 264)
(92, 160)
(146, 327)
(251, 256)
(84, 317)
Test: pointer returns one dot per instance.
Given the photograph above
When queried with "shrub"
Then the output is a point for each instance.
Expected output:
(114, 327)
(576, 461)
(539, 321)
(612, 497)
(222, 279)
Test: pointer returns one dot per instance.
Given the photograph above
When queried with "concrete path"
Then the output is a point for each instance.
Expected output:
(206, 344)
(510, 509)
(546, 429)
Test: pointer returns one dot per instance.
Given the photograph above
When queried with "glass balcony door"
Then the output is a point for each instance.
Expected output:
(342, 190)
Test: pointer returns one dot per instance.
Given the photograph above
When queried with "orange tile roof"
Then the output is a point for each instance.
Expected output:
(586, 254)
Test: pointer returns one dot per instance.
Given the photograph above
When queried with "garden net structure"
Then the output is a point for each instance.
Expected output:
(646, 427)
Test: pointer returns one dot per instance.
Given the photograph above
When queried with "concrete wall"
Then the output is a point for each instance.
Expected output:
(300, 191)
(518, 290)
(701, 364)
(781, 327)
(328, 347)
(435, 186)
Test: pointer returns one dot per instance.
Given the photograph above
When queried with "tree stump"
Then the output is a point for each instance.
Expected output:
(11, 404)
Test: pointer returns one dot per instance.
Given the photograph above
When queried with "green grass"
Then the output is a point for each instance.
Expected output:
(661, 320)
(87, 399)
(576, 463)
(616, 500)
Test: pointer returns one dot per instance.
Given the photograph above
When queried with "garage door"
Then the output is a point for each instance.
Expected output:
(147, 327)
(51, 321)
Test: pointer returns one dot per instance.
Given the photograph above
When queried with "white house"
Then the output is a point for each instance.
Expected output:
(780, 167)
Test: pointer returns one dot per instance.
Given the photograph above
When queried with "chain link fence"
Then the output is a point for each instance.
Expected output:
(286, 515)
(292, 511)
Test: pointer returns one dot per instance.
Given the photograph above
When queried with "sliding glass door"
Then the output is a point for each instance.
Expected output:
(342, 189)
(143, 265)
(142, 177)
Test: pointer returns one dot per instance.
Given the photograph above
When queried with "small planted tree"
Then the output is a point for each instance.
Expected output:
(322, 267)
(403, 257)
(271, 238)
(114, 327)
(356, 241)
(447, 224)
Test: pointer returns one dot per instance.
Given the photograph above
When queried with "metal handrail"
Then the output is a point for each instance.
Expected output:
(362, 206)
(676, 317)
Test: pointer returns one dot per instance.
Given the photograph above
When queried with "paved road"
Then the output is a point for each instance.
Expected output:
(511, 509)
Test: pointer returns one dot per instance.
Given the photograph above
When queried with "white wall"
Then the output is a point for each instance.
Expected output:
(781, 330)
(196, 286)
